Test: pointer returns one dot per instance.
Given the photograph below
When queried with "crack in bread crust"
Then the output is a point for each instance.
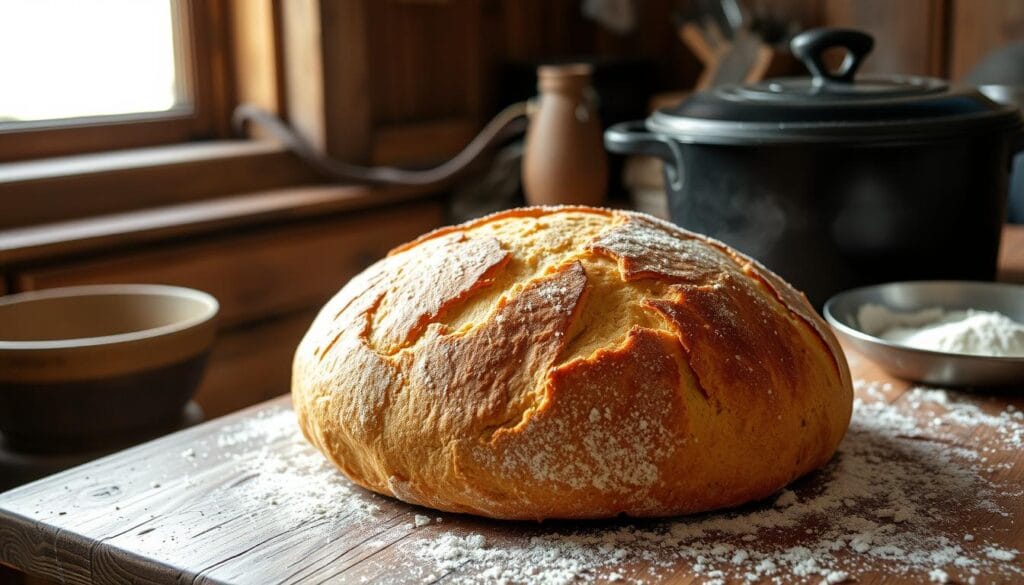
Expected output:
(795, 302)
(571, 362)
(451, 269)
(482, 393)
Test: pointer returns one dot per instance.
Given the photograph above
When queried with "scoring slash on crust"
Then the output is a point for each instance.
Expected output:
(571, 363)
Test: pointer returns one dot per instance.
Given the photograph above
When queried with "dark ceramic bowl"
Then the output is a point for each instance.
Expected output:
(80, 365)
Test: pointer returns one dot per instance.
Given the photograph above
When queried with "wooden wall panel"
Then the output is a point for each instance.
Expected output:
(368, 79)
(303, 69)
(348, 97)
(269, 284)
(260, 275)
(44, 191)
(425, 142)
(425, 59)
(325, 70)
(254, 40)
(910, 35)
(535, 29)
(251, 364)
(980, 27)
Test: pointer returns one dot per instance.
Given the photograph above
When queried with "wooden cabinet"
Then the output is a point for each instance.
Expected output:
(270, 282)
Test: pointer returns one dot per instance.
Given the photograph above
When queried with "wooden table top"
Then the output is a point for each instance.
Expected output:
(928, 487)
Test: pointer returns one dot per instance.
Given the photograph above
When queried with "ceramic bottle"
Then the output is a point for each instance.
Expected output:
(565, 161)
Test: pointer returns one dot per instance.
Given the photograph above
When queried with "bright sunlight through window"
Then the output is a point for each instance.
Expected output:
(73, 58)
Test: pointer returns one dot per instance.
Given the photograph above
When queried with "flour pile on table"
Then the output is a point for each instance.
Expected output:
(892, 499)
(283, 471)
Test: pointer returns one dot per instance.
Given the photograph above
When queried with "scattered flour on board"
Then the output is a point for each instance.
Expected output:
(885, 501)
(278, 468)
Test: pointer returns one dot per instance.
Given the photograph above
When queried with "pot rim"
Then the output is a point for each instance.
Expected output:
(719, 132)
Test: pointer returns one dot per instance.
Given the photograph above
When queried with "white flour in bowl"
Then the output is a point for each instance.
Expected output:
(986, 333)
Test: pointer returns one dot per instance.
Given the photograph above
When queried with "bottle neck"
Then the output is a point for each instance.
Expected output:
(570, 79)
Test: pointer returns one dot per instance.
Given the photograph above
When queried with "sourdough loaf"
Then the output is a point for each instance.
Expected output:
(571, 363)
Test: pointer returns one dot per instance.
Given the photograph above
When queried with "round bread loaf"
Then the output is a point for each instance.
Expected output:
(571, 363)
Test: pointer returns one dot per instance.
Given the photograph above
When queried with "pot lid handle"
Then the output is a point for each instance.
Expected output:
(809, 46)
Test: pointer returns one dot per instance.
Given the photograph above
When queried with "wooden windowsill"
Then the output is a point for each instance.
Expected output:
(80, 186)
(123, 160)
(118, 231)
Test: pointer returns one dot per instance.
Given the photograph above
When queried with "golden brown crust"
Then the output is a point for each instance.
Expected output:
(447, 270)
(537, 211)
(571, 363)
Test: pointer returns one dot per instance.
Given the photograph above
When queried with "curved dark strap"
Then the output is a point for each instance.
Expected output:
(508, 123)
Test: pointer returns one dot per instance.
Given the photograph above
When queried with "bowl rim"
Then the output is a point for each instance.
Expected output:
(863, 336)
(209, 302)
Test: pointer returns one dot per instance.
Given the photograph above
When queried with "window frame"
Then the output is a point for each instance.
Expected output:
(202, 59)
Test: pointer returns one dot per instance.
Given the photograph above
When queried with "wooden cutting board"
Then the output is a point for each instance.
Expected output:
(243, 499)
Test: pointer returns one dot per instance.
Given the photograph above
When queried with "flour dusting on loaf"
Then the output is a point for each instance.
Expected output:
(571, 363)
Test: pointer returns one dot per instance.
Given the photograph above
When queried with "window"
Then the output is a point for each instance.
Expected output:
(106, 74)
(99, 67)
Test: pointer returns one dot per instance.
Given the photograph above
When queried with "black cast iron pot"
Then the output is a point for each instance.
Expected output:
(835, 182)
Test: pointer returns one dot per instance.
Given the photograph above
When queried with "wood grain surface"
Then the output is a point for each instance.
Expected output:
(256, 275)
(909, 35)
(243, 499)
(53, 242)
(91, 185)
(252, 363)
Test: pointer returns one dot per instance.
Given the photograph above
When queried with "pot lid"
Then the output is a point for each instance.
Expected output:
(832, 106)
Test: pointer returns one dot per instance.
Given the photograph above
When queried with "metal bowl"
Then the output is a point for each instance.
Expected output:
(932, 367)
